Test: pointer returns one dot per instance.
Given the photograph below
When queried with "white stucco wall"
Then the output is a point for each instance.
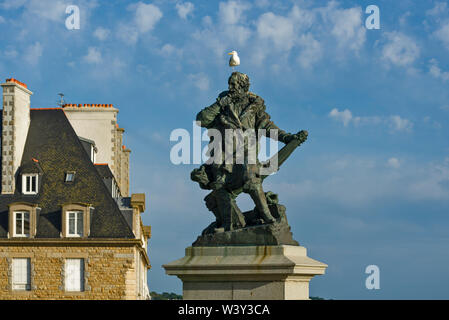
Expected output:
(97, 124)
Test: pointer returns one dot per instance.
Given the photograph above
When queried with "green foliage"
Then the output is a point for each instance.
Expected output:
(165, 296)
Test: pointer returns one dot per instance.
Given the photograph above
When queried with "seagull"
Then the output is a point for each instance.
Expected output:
(235, 60)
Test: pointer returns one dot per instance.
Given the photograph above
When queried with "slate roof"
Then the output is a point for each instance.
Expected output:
(104, 171)
(53, 142)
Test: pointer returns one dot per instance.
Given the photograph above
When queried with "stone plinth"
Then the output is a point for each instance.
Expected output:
(246, 272)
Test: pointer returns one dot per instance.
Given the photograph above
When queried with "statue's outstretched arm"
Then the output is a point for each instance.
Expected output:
(207, 116)
(264, 122)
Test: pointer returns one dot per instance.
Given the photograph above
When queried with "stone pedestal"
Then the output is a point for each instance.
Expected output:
(246, 272)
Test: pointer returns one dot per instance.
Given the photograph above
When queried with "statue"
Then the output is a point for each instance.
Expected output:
(241, 110)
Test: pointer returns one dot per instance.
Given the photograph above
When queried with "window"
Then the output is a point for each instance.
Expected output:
(75, 223)
(74, 275)
(29, 183)
(22, 219)
(70, 176)
(21, 224)
(76, 219)
(21, 274)
(92, 153)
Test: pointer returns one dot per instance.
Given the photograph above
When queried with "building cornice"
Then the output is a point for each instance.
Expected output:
(70, 242)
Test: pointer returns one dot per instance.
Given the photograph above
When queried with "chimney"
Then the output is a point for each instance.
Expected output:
(15, 124)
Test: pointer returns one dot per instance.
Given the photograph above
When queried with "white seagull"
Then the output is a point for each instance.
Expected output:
(235, 60)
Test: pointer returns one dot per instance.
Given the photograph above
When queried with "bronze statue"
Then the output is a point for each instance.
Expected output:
(241, 110)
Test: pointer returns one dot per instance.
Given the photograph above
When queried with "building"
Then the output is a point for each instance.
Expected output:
(68, 227)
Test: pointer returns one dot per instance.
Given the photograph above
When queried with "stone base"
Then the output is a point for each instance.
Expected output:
(246, 273)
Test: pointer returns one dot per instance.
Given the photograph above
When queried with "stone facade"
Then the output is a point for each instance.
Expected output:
(125, 171)
(114, 269)
(68, 238)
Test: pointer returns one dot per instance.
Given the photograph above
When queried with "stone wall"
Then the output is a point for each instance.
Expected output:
(109, 271)
(16, 121)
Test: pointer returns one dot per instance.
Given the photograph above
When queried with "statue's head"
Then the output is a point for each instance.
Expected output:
(238, 82)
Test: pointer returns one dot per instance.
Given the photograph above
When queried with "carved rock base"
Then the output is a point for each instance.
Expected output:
(274, 234)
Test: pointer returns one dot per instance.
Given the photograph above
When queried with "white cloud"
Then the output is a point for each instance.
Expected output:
(439, 9)
(306, 34)
(443, 34)
(436, 72)
(400, 49)
(146, 16)
(101, 33)
(10, 53)
(433, 183)
(184, 9)
(200, 80)
(231, 12)
(278, 29)
(348, 180)
(231, 22)
(207, 21)
(344, 116)
(48, 9)
(348, 27)
(2, 20)
(311, 51)
(285, 32)
(395, 123)
(12, 4)
(33, 53)
(93, 56)
(128, 34)
(393, 163)
(169, 50)
(229, 32)
(435, 124)
(400, 124)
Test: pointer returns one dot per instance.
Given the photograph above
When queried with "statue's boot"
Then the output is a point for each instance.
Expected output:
(258, 196)
(224, 200)
(211, 204)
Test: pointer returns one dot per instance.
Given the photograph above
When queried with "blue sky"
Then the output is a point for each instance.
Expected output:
(371, 184)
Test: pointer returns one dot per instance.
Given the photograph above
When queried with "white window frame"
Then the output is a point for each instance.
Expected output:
(76, 224)
(24, 183)
(73, 173)
(21, 274)
(74, 275)
(92, 153)
(22, 233)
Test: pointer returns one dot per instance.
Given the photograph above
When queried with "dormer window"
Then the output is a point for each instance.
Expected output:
(22, 219)
(76, 220)
(22, 224)
(30, 183)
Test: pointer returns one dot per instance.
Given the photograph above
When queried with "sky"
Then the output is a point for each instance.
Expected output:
(371, 184)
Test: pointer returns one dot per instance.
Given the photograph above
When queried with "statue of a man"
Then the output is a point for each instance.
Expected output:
(237, 109)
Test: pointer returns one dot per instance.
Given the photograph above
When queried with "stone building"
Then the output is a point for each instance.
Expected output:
(68, 227)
